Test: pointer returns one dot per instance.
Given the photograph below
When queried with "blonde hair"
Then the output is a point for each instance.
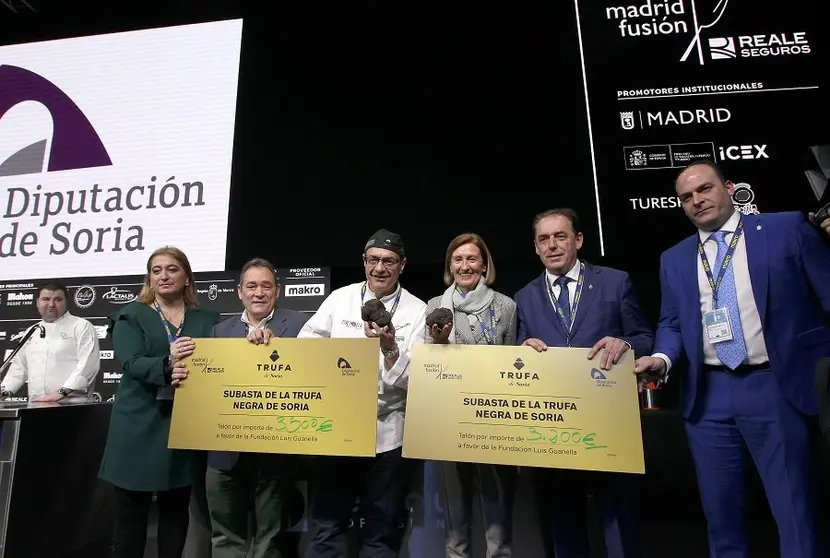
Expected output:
(470, 238)
(147, 296)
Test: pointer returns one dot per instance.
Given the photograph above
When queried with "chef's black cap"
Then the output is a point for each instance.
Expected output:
(386, 240)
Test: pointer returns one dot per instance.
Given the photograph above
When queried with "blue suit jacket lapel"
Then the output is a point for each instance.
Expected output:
(586, 297)
(543, 302)
(757, 258)
(690, 293)
(278, 324)
(239, 328)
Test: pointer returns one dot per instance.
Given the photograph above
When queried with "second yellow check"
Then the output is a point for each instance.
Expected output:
(295, 396)
(514, 406)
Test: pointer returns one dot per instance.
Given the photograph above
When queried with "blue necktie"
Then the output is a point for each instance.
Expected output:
(730, 353)
(563, 299)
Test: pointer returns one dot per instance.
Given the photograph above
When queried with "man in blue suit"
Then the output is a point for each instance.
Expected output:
(576, 304)
(238, 482)
(745, 301)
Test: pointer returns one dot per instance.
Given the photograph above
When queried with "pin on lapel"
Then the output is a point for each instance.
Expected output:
(758, 228)
(590, 287)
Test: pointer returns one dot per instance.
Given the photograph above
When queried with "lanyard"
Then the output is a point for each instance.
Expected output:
(565, 325)
(394, 304)
(489, 334)
(727, 259)
(171, 338)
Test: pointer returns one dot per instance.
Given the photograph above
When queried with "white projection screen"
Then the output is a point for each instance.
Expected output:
(114, 145)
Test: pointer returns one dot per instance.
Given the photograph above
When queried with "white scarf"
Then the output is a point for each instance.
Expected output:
(471, 303)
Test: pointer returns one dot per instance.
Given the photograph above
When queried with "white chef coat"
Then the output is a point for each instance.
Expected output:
(339, 316)
(67, 356)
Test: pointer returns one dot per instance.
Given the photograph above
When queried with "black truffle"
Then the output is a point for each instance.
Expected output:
(375, 311)
(439, 317)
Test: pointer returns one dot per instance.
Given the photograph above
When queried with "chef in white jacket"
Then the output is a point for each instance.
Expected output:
(61, 361)
(380, 483)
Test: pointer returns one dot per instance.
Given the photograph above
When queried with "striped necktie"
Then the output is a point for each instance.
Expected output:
(563, 299)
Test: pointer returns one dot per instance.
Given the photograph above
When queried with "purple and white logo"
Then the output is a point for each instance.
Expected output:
(113, 145)
(75, 143)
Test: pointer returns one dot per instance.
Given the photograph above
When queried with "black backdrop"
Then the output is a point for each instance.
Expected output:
(432, 118)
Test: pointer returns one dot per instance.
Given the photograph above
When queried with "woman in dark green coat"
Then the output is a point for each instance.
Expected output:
(149, 335)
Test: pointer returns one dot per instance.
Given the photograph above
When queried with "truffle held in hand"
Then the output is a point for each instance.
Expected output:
(375, 311)
(439, 317)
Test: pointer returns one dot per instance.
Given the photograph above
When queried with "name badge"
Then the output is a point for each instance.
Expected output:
(717, 325)
(380, 387)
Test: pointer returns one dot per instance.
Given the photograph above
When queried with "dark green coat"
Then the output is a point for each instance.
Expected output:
(136, 456)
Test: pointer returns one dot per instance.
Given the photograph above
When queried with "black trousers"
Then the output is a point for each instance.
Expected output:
(381, 483)
(132, 510)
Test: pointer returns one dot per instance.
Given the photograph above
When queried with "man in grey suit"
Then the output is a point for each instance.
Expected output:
(238, 482)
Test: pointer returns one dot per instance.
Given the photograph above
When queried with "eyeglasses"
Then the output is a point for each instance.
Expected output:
(372, 261)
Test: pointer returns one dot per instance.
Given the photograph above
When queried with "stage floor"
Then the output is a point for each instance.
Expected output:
(678, 539)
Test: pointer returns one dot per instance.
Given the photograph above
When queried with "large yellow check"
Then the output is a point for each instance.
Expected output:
(298, 396)
(516, 406)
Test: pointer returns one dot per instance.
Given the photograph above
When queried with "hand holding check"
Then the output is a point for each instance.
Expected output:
(612, 349)
(181, 348)
(185, 346)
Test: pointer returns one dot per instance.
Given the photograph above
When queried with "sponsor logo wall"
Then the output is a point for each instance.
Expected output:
(672, 81)
(303, 289)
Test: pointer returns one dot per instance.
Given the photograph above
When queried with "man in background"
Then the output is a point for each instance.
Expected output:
(745, 300)
(239, 482)
(61, 362)
(576, 304)
(380, 482)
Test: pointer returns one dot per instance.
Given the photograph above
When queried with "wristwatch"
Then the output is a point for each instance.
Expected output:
(389, 353)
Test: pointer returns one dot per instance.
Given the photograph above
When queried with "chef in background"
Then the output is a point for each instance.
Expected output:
(61, 362)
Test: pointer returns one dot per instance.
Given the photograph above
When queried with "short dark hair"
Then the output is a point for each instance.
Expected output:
(566, 212)
(52, 285)
(258, 262)
(706, 163)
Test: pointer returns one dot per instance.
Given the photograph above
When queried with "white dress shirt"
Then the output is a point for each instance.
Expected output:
(263, 324)
(750, 318)
(68, 356)
(573, 275)
(339, 316)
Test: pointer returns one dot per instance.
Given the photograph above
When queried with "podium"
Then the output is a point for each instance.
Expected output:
(51, 502)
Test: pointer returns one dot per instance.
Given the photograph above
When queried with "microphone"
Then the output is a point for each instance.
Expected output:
(20, 344)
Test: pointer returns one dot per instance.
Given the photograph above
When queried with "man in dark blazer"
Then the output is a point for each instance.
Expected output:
(238, 482)
(745, 301)
(576, 304)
